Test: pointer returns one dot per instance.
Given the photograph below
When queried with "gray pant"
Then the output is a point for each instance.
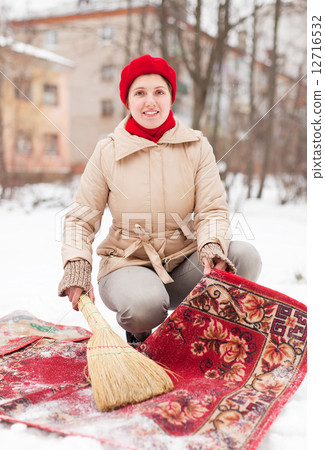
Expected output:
(141, 300)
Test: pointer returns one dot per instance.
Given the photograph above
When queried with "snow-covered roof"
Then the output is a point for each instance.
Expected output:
(61, 8)
(31, 50)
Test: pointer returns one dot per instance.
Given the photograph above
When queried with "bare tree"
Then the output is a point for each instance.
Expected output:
(271, 99)
(290, 165)
(141, 31)
(201, 53)
(3, 169)
(129, 30)
(201, 71)
(252, 109)
(163, 13)
(223, 27)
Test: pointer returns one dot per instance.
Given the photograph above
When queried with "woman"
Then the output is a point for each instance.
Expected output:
(170, 216)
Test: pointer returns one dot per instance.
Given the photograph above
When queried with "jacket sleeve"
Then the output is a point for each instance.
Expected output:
(85, 214)
(211, 213)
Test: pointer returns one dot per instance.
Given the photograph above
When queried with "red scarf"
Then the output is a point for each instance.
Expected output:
(152, 134)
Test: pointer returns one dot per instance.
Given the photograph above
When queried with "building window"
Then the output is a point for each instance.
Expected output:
(107, 72)
(107, 108)
(51, 144)
(50, 38)
(106, 34)
(50, 94)
(23, 88)
(24, 143)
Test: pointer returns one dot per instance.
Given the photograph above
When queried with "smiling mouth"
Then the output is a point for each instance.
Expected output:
(151, 113)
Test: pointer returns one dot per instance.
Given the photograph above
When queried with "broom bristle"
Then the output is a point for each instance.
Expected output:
(118, 373)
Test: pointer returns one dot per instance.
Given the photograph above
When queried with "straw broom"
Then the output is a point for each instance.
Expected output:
(119, 374)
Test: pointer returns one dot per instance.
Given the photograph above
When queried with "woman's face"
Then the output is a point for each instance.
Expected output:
(149, 100)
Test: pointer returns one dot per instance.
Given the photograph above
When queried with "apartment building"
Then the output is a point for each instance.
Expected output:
(35, 112)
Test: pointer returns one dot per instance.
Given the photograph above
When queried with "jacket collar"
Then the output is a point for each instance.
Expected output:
(126, 143)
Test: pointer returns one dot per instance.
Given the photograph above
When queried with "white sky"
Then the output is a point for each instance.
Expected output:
(25, 6)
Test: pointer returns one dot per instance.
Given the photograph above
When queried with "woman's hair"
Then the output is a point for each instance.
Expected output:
(169, 85)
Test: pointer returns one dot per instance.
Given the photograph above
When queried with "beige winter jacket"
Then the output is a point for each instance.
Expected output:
(166, 200)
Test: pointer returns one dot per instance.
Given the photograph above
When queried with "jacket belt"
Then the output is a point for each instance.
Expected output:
(143, 240)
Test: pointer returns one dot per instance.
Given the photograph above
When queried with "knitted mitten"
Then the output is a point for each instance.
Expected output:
(212, 252)
(76, 273)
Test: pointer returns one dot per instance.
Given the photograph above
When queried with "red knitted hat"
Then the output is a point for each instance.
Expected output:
(143, 65)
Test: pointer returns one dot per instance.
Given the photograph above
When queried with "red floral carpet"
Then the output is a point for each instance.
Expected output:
(238, 349)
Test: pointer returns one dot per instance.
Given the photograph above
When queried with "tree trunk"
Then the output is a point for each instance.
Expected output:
(164, 29)
(199, 67)
(251, 139)
(3, 169)
(128, 37)
(216, 57)
(223, 24)
(142, 32)
(272, 96)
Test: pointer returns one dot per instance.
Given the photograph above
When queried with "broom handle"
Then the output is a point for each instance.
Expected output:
(91, 314)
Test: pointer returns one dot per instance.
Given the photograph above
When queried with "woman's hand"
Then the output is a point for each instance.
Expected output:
(74, 293)
(210, 258)
(219, 264)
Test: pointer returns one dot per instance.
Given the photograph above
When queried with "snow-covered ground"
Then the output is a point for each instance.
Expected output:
(30, 226)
